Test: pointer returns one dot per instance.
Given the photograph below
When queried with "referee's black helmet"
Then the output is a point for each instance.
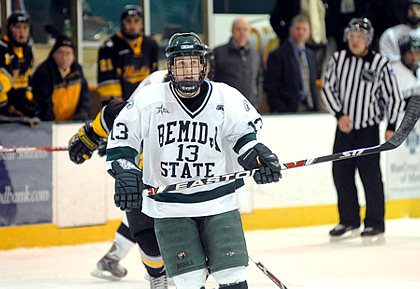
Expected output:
(360, 25)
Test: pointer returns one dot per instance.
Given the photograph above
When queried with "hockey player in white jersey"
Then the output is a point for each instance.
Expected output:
(407, 70)
(80, 149)
(388, 43)
(190, 128)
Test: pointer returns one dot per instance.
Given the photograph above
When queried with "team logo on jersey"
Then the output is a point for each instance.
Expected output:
(220, 107)
(161, 109)
(368, 75)
(130, 104)
(246, 105)
(181, 255)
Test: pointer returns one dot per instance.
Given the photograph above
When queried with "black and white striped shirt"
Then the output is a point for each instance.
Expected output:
(364, 88)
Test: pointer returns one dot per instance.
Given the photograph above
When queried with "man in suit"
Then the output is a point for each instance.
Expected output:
(290, 77)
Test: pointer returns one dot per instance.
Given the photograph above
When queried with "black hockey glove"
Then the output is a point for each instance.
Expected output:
(261, 157)
(83, 144)
(128, 184)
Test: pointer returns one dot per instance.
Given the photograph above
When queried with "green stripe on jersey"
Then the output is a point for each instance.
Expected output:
(199, 197)
(243, 141)
(121, 153)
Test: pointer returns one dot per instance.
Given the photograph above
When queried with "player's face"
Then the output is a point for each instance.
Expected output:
(20, 32)
(187, 68)
(300, 33)
(412, 57)
(133, 25)
(358, 43)
(413, 11)
(64, 57)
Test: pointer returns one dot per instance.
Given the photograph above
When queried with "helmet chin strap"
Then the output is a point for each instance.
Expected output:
(188, 89)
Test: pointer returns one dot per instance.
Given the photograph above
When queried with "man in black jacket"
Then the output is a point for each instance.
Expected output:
(59, 86)
(238, 65)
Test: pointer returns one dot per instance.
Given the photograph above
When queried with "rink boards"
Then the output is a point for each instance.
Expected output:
(76, 205)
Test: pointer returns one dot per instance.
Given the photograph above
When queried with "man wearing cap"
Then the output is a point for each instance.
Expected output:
(126, 58)
(59, 86)
(16, 61)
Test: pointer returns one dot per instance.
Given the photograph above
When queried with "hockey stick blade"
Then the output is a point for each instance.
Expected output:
(31, 149)
(407, 124)
(267, 273)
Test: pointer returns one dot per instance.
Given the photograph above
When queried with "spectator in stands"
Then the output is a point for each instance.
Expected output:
(285, 11)
(16, 61)
(238, 65)
(290, 78)
(407, 69)
(388, 43)
(126, 58)
(59, 86)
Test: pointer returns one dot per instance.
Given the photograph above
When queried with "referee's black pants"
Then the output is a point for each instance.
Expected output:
(370, 174)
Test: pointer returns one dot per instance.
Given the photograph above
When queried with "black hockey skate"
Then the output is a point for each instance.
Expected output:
(108, 267)
(343, 232)
(373, 236)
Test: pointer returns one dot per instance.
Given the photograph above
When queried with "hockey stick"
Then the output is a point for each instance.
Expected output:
(409, 121)
(31, 149)
(267, 273)
(19, 119)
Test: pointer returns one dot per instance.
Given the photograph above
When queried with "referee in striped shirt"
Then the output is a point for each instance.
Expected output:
(360, 89)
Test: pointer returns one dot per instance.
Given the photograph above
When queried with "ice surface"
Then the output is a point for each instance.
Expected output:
(300, 258)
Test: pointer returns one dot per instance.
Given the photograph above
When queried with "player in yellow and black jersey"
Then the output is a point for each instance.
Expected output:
(16, 60)
(126, 58)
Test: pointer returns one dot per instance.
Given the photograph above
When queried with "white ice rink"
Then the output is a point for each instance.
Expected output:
(300, 258)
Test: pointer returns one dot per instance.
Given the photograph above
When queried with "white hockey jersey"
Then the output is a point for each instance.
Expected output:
(408, 83)
(388, 43)
(180, 145)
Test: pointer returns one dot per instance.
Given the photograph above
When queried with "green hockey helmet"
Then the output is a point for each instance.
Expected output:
(186, 44)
